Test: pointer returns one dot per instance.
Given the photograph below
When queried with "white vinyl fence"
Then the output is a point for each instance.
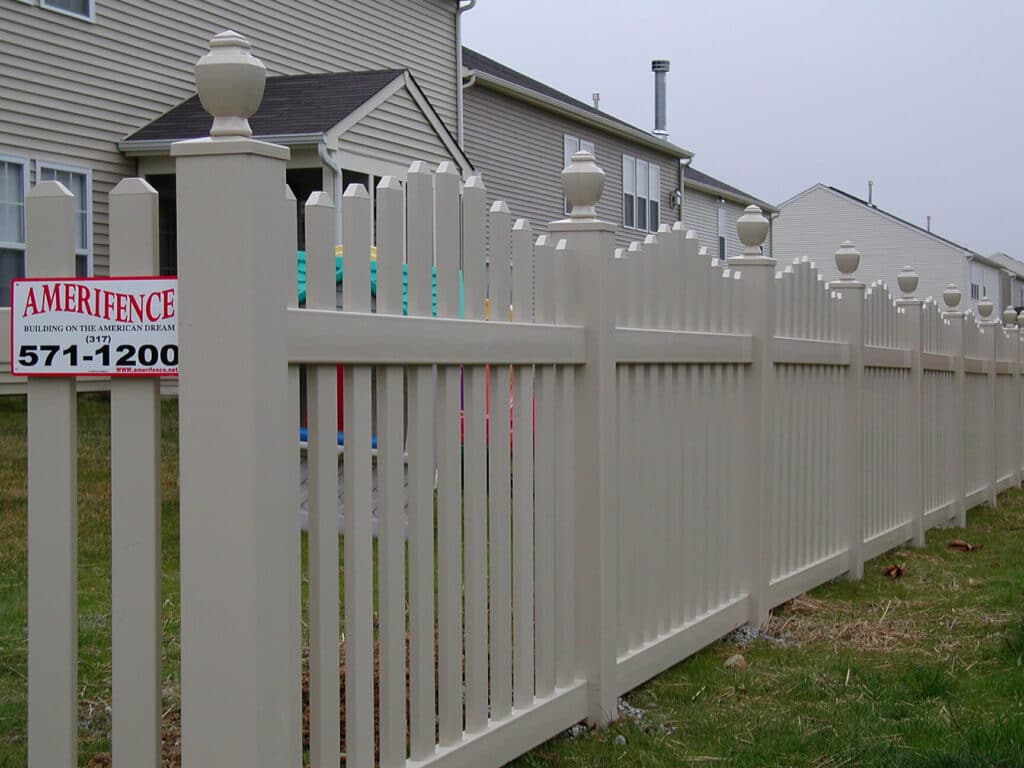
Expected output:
(690, 443)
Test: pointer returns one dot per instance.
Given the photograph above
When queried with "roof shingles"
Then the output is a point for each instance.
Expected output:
(292, 105)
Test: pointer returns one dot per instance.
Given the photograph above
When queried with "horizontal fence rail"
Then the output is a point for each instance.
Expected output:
(537, 471)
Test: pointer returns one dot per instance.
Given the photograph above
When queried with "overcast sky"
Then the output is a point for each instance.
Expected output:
(924, 97)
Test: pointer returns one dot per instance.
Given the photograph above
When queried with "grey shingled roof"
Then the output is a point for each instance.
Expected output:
(692, 174)
(292, 104)
(474, 60)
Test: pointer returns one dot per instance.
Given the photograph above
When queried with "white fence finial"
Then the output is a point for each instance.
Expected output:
(752, 228)
(907, 281)
(985, 308)
(583, 182)
(951, 296)
(847, 260)
(1010, 317)
(230, 82)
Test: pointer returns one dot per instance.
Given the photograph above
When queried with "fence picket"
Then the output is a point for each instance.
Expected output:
(391, 484)
(475, 457)
(359, 707)
(322, 409)
(499, 251)
(449, 468)
(52, 509)
(544, 461)
(420, 259)
(135, 507)
(522, 475)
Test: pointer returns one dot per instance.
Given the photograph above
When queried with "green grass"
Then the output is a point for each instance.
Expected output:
(93, 572)
(923, 672)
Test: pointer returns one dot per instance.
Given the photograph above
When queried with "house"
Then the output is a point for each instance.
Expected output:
(816, 221)
(77, 77)
(520, 133)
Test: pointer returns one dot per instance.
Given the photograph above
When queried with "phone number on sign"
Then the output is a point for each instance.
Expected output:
(40, 357)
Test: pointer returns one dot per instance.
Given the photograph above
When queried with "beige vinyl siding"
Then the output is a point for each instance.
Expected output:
(817, 222)
(396, 132)
(518, 149)
(71, 88)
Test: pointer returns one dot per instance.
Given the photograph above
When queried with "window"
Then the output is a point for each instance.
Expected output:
(78, 183)
(721, 234)
(628, 191)
(975, 291)
(570, 146)
(13, 185)
(81, 8)
(641, 194)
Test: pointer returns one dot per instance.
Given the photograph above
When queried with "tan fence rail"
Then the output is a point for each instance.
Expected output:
(687, 443)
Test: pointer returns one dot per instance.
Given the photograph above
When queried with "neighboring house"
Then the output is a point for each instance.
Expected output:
(815, 222)
(78, 76)
(521, 133)
(711, 208)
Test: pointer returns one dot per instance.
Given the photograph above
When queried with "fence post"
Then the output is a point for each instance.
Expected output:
(990, 349)
(52, 509)
(757, 281)
(956, 319)
(135, 506)
(911, 309)
(234, 440)
(1012, 419)
(850, 293)
(590, 251)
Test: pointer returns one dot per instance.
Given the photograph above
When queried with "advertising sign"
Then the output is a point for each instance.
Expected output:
(94, 326)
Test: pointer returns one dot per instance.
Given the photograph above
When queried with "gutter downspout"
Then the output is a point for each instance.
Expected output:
(684, 163)
(458, 65)
(325, 156)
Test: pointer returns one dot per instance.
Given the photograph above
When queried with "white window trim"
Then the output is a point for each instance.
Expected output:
(23, 162)
(87, 172)
(91, 17)
(645, 197)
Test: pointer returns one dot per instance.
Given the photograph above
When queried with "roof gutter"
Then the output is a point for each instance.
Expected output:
(765, 207)
(575, 113)
(458, 65)
(141, 147)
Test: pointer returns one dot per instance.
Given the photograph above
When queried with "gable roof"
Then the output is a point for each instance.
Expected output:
(705, 183)
(300, 109)
(998, 260)
(293, 105)
(492, 74)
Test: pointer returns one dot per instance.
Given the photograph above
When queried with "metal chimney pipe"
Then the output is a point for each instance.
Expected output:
(597, 99)
(929, 223)
(871, 189)
(659, 67)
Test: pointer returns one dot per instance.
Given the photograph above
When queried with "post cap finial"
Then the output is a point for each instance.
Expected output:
(847, 260)
(583, 182)
(907, 281)
(1010, 317)
(230, 81)
(752, 228)
(985, 308)
(951, 296)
